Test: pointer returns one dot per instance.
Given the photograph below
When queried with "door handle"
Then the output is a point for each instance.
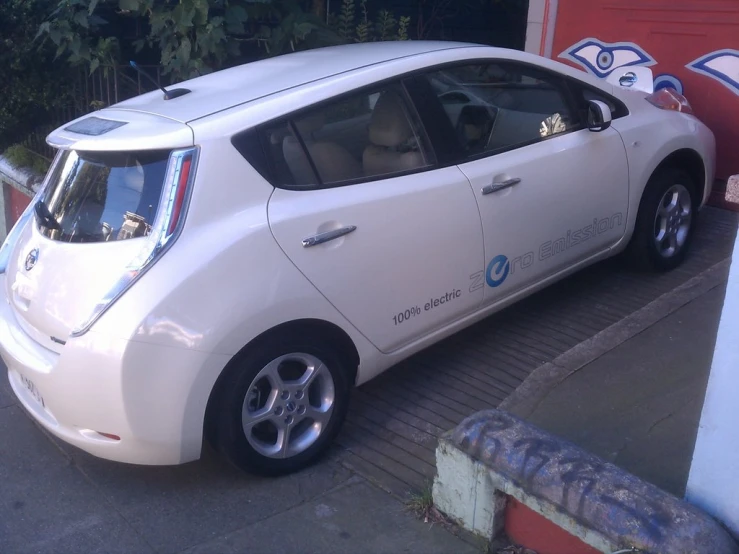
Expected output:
(495, 187)
(321, 238)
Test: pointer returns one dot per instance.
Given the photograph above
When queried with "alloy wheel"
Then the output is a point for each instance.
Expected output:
(288, 405)
(672, 221)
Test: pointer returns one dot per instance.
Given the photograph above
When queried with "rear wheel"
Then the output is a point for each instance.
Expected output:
(280, 404)
(665, 222)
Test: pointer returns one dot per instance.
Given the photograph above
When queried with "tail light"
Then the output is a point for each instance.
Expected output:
(670, 99)
(167, 226)
(12, 237)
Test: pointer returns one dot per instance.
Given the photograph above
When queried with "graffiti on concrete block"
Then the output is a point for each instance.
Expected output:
(537, 454)
(594, 492)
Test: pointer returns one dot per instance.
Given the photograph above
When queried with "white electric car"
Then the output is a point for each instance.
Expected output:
(227, 260)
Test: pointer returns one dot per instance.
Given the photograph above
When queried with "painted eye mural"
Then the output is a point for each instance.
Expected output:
(723, 66)
(601, 58)
(668, 81)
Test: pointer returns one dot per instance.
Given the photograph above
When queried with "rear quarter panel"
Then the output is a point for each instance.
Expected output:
(224, 282)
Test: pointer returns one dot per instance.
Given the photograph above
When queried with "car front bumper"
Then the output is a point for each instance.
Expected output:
(145, 394)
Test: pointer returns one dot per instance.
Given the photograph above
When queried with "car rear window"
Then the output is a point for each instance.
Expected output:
(102, 196)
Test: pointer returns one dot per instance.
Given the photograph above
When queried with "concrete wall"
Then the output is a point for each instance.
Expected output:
(541, 24)
(713, 484)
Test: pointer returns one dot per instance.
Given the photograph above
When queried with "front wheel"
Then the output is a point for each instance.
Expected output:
(280, 404)
(665, 222)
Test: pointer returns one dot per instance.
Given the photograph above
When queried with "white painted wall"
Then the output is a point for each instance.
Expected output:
(713, 484)
(540, 36)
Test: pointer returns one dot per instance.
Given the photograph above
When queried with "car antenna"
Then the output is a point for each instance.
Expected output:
(168, 94)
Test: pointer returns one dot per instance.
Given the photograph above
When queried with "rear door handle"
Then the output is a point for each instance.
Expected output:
(321, 238)
(495, 187)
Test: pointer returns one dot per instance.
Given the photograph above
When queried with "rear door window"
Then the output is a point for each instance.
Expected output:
(102, 196)
(360, 137)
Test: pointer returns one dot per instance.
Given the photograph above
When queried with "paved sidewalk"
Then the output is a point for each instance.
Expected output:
(57, 500)
(639, 404)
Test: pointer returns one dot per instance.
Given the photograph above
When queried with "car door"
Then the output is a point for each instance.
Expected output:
(551, 193)
(388, 237)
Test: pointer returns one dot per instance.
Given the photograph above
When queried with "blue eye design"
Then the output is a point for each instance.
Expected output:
(722, 66)
(601, 58)
(668, 81)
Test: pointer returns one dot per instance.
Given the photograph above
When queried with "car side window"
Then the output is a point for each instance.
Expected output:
(356, 138)
(499, 106)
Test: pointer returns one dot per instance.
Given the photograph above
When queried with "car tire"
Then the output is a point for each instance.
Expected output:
(268, 374)
(666, 221)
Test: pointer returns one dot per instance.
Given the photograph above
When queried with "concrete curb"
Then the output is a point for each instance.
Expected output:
(524, 400)
(492, 458)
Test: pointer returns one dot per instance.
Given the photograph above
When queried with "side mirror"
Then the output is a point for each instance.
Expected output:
(599, 116)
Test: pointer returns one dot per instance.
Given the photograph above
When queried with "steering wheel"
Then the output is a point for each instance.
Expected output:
(454, 97)
(482, 120)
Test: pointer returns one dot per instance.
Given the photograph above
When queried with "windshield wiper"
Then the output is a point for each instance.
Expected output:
(45, 216)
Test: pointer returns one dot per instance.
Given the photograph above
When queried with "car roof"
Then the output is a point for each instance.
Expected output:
(231, 87)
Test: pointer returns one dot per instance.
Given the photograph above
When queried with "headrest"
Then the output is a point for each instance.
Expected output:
(308, 125)
(389, 125)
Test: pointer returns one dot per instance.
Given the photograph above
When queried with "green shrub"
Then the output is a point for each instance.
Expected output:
(21, 157)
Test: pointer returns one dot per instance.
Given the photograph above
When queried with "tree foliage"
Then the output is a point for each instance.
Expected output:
(34, 83)
(354, 23)
(44, 44)
(192, 37)
(185, 37)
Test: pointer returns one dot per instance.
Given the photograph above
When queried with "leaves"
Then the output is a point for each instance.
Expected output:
(385, 25)
(403, 25)
(235, 17)
(127, 5)
(81, 18)
(188, 37)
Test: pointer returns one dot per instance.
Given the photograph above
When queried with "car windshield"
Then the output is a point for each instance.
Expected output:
(102, 196)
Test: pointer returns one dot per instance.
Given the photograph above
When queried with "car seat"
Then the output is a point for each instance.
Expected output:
(333, 162)
(393, 147)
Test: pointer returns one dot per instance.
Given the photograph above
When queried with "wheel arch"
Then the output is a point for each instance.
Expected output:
(690, 161)
(333, 333)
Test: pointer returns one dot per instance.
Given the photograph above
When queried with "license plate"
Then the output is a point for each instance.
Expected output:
(33, 390)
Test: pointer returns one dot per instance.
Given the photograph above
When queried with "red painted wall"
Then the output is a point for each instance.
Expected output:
(15, 203)
(675, 33)
(527, 528)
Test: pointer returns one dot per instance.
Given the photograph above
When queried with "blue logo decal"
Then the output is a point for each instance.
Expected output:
(497, 271)
(723, 66)
(668, 81)
(601, 58)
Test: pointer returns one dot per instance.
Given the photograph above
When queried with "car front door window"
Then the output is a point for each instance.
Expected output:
(497, 107)
(551, 194)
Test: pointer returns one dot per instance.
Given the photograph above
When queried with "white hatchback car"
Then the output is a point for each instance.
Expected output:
(228, 260)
